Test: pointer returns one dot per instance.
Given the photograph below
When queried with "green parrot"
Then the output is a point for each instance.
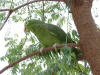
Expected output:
(48, 34)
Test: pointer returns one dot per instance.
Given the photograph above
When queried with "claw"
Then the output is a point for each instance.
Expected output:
(55, 46)
(41, 49)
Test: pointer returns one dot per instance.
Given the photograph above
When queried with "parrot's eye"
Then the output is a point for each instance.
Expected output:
(26, 23)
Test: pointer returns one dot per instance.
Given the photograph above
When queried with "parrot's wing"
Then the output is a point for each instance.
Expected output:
(57, 32)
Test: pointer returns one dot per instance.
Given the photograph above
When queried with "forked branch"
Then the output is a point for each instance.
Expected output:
(11, 10)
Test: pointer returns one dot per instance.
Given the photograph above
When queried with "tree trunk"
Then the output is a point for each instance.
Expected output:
(89, 36)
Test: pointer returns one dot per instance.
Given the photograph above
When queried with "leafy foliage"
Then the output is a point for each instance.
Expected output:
(2, 17)
(52, 60)
(46, 63)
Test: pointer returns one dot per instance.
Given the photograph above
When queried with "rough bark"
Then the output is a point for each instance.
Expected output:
(89, 36)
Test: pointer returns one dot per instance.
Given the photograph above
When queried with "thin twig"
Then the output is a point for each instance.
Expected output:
(11, 4)
(25, 40)
(35, 53)
(11, 10)
(27, 4)
(62, 6)
(79, 68)
(54, 7)
(32, 2)
(28, 8)
(43, 11)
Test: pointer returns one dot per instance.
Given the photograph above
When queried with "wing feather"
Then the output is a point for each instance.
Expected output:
(57, 32)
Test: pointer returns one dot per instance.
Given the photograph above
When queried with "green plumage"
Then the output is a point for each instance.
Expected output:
(47, 34)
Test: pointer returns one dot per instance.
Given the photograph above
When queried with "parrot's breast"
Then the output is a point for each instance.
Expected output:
(47, 39)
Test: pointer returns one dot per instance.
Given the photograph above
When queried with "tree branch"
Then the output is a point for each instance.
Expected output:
(35, 53)
(43, 11)
(32, 2)
(11, 10)
(79, 68)
(11, 4)
(5, 10)
(28, 4)
(28, 9)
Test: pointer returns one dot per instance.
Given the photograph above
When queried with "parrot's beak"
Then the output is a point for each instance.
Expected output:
(25, 30)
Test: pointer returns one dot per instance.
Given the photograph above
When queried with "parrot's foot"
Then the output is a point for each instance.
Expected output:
(55, 46)
(41, 49)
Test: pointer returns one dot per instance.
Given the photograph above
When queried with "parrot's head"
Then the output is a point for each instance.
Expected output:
(25, 29)
(33, 25)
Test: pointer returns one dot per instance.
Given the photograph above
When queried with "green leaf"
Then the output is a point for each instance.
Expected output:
(67, 50)
(74, 33)
(68, 35)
